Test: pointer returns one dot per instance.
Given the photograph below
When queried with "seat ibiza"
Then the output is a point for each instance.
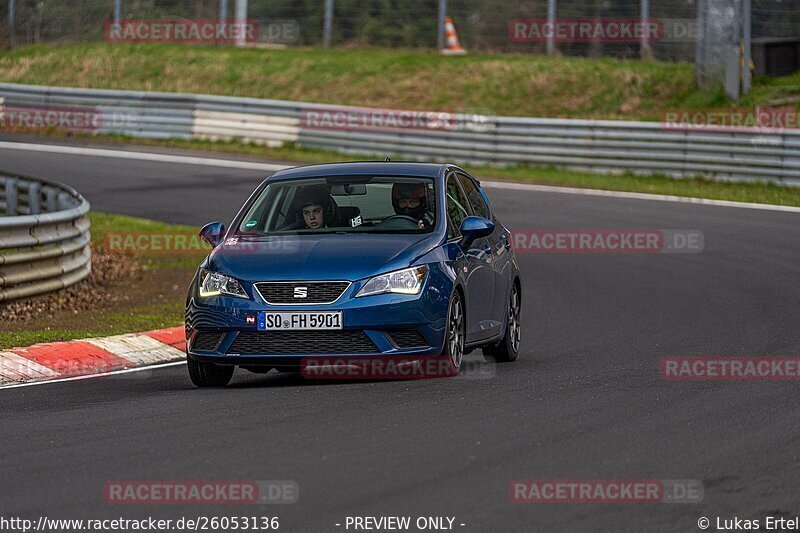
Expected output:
(354, 260)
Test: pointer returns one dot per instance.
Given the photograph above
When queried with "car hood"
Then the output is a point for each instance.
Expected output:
(318, 257)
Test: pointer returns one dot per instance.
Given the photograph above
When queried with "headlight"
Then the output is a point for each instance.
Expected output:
(214, 284)
(407, 281)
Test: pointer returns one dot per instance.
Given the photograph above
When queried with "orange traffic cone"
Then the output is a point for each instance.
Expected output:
(452, 46)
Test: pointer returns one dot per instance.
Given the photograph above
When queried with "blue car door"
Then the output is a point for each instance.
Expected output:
(499, 245)
(479, 274)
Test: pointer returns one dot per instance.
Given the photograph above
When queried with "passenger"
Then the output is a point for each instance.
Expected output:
(315, 208)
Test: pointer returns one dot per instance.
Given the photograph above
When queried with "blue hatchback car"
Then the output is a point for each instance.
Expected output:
(353, 260)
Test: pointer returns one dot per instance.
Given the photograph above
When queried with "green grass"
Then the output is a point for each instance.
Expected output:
(761, 193)
(144, 319)
(508, 84)
(143, 304)
(102, 223)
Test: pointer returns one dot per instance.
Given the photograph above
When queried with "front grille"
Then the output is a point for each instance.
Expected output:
(302, 343)
(317, 292)
(207, 340)
(408, 338)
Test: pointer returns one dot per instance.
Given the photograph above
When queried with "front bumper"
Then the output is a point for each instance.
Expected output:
(218, 330)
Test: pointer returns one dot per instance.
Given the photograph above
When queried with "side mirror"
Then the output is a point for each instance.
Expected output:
(473, 228)
(212, 233)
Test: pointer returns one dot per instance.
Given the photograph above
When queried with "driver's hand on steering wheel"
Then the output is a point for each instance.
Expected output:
(421, 224)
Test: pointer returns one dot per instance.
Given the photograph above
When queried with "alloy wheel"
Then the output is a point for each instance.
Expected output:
(455, 333)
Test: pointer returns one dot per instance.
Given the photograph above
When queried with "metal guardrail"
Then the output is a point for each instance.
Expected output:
(44, 237)
(604, 146)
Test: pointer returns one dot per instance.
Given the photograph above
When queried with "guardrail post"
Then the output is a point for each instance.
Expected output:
(63, 201)
(440, 32)
(34, 202)
(117, 20)
(551, 18)
(644, 44)
(223, 11)
(11, 10)
(11, 197)
(700, 45)
(223, 15)
(747, 44)
(241, 20)
(51, 200)
(327, 32)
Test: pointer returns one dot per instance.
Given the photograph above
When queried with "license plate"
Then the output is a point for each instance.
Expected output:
(286, 321)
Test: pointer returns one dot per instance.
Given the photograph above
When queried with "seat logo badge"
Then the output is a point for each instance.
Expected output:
(301, 292)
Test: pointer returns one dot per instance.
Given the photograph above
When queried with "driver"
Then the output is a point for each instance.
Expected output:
(411, 200)
(315, 208)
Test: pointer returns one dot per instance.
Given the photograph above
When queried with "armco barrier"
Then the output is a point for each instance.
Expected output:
(596, 145)
(44, 237)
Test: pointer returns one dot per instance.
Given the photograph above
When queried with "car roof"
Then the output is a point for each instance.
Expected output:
(377, 168)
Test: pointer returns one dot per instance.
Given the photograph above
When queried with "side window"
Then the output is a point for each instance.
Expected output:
(457, 207)
(281, 215)
(479, 206)
(281, 208)
(258, 214)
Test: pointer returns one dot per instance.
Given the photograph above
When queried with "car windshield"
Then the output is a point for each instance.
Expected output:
(343, 204)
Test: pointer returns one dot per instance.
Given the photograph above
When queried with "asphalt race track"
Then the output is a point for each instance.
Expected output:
(584, 401)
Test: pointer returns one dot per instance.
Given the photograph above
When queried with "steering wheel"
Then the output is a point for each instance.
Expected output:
(399, 222)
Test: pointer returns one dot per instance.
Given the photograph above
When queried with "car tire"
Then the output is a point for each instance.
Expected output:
(507, 349)
(209, 374)
(454, 338)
